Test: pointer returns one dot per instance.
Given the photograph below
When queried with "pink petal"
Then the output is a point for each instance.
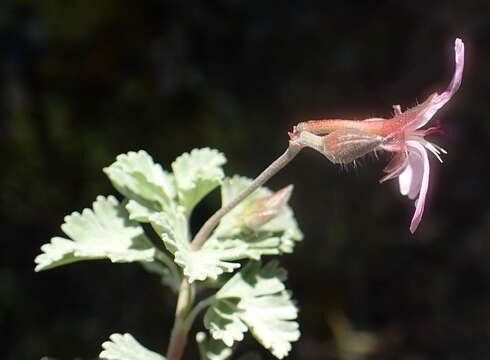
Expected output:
(458, 72)
(414, 181)
(405, 180)
(437, 101)
(396, 166)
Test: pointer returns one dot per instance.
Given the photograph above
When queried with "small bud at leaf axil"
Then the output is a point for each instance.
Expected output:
(262, 210)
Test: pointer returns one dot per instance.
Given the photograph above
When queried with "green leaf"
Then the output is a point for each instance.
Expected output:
(104, 232)
(277, 236)
(203, 264)
(251, 246)
(173, 228)
(197, 265)
(197, 174)
(255, 299)
(223, 321)
(148, 187)
(125, 347)
(211, 349)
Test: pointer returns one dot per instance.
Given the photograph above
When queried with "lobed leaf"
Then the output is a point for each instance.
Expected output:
(210, 349)
(251, 246)
(147, 186)
(196, 174)
(125, 347)
(255, 299)
(197, 265)
(104, 232)
(203, 264)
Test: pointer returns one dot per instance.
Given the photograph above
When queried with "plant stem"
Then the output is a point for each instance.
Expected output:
(184, 319)
(292, 150)
(178, 337)
(201, 305)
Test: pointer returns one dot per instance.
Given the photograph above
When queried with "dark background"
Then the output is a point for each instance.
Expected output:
(82, 81)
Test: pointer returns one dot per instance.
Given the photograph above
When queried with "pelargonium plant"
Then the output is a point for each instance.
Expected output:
(238, 291)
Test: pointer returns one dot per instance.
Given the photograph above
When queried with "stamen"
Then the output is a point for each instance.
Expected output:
(440, 149)
(433, 149)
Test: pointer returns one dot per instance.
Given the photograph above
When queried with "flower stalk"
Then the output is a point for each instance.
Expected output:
(293, 149)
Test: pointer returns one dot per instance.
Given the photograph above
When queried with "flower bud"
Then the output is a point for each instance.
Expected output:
(262, 210)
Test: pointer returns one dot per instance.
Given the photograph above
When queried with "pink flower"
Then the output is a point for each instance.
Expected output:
(347, 140)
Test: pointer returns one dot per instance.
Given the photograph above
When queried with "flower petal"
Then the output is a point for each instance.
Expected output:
(437, 101)
(458, 73)
(405, 180)
(396, 166)
(414, 181)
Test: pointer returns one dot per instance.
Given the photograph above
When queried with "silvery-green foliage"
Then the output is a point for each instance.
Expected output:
(196, 265)
(211, 349)
(104, 232)
(145, 184)
(253, 299)
(125, 347)
(197, 174)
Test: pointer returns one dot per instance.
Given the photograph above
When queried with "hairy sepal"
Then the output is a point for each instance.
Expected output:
(346, 145)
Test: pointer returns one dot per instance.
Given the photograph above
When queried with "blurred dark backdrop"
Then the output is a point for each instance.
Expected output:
(82, 81)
